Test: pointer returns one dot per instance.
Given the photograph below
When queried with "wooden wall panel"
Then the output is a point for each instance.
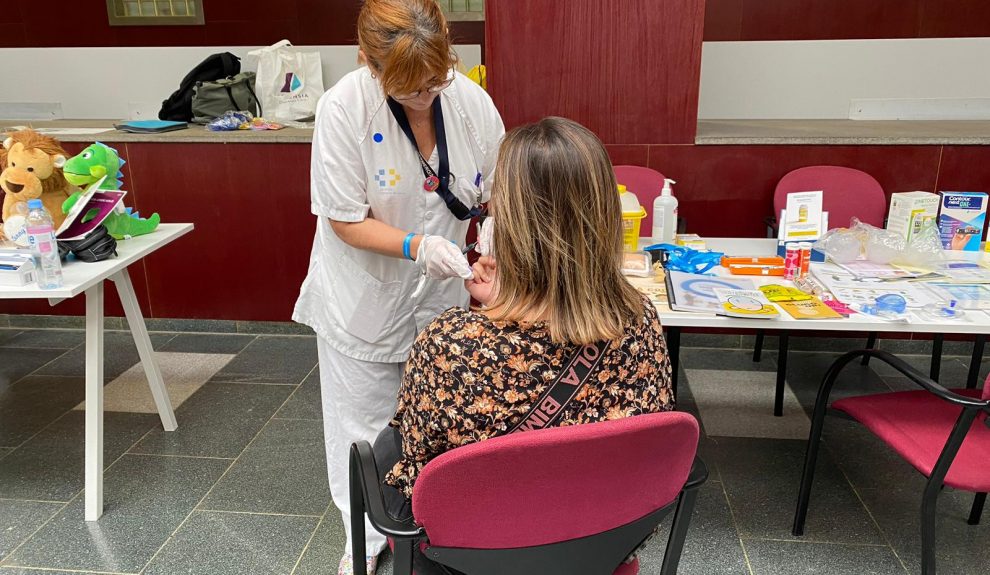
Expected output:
(627, 70)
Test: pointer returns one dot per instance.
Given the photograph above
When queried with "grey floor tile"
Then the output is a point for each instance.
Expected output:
(272, 359)
(323, 553)
(712, 340)
(22, 571)
(740, 404)
(797, 558)
(952, 371)
(712, 546)
(16, 363)
(49, 467)
(6, 333)
(234, 543)
(762, 477)
(960, 547)
(46, 339)
(146, 498)
(834, 342)
(119, 355)
(19, 519)
(805, 371)
(217, 421)
(273, 328)
(727, 359)
(34, 402)
(4, 451)
(191, 325)
(306, 400)
(208, 343)
(866, 460)
(282, 471)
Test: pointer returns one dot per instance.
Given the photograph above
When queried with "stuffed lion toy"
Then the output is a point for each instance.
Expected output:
(31, 167)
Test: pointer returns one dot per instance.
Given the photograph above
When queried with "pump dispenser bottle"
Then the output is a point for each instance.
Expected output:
(665, 214)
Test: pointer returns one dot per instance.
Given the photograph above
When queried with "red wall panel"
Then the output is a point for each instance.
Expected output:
(955, 18)
(628, 70)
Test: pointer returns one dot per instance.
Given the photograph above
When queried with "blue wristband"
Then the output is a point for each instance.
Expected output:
(406, 243)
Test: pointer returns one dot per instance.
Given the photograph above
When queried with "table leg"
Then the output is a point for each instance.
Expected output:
(139, 331)
(94, 402)
(936, 366)
(974, 362)
(674, 353)
(778, 398)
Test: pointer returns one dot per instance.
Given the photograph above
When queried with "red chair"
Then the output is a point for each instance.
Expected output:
(847, 193)
(646, 185)
(568, 500)
(943, 433)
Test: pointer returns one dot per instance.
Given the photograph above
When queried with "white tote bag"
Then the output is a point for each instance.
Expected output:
(289, 82)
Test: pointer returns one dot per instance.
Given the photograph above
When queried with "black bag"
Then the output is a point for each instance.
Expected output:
(178, 106)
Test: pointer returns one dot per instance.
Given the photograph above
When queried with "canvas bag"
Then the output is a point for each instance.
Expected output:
(211, 99)
(289, 81)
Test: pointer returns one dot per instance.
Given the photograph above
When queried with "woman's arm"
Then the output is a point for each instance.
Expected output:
(376, 236)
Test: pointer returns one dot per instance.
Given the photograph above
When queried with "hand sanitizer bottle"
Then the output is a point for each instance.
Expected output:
(665, 214)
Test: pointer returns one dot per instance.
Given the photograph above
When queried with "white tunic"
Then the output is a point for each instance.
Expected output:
(364, 166)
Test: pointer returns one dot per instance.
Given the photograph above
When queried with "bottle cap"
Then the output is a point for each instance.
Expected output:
(35, 204)
(622, 189)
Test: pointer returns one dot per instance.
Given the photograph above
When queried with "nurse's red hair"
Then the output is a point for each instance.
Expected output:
(406, 43)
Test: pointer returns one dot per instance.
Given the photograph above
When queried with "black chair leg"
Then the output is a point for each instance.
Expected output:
(758, 346)
(974, 363)
(978, 502)
(778, 399)
(937, 341)
(402, 563)
(357, 522)
(871, 343)
(808, 475)
(929, 503)
(674, 351)
(678, 531)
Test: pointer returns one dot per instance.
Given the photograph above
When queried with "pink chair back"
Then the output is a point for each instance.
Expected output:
(541, 487)
(646, 184)
(848, 193)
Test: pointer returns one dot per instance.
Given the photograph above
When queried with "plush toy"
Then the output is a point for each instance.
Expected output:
(101, 161)
(31, 167)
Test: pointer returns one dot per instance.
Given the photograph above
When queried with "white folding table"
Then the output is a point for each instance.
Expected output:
(974, 322)
(80, 277)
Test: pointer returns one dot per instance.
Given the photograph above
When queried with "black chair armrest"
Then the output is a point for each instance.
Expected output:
(698, 475)
(363, 462)
(919, 378)
(771, 223)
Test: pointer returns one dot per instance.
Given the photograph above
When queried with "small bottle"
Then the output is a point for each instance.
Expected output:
(41, 234)
(665, 214)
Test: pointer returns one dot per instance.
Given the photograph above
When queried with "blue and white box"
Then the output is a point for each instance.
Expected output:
(960, 220)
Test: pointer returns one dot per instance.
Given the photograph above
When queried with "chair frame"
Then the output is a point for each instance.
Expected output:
(971, 408)
(597, 554)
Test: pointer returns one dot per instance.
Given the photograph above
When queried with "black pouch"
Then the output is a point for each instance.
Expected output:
(99, 245)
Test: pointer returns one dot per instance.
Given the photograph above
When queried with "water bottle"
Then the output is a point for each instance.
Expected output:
(41, 234)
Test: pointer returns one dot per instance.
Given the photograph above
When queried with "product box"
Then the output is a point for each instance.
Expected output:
(960, 220)
(16, 270)
(909, 211)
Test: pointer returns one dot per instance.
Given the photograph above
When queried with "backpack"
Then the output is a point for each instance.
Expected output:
(178, 106)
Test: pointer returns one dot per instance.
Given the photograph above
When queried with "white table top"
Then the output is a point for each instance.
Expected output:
(972, 322)
(79, 276)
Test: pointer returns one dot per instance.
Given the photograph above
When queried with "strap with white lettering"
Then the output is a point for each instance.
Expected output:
(563, 389)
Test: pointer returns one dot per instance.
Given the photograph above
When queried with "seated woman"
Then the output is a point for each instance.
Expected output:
(556, 289)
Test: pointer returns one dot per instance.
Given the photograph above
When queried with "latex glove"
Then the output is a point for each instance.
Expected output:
(484, 246)
(440, 259)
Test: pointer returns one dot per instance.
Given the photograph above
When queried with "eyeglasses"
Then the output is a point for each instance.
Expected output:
(431, 90)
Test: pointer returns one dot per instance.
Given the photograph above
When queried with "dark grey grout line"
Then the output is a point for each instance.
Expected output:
(805, 541)
(42, 570)
(268, 514)
(312, 536)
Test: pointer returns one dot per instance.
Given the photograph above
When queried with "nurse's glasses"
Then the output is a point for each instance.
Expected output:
(431, 90)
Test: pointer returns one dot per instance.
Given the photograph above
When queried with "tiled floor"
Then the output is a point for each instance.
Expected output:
(240, 488)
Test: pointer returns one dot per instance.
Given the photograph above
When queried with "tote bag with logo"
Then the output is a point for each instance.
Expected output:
(289, 82)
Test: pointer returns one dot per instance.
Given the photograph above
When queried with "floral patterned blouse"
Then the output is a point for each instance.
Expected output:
(470, 378)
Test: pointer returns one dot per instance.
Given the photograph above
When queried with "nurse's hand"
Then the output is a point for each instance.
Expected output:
(441, 259)
(482, 286)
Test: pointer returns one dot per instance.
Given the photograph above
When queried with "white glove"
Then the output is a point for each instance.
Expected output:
(440, 259)
(484, 246)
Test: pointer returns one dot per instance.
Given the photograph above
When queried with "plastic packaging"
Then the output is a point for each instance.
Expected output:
(924, 250)
(41, 234)
(637, 264)
(841, 245)
(632, 215)
(665, 214)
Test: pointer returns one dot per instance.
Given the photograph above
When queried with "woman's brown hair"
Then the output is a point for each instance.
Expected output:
(558, 234)
(405, 41)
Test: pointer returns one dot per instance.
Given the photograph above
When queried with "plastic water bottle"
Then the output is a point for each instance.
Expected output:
(41, 234)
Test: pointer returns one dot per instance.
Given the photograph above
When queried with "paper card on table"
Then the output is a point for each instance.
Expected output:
(89, 212)
(802, 218)
(745, 304)
(809, 309)
(695, 292)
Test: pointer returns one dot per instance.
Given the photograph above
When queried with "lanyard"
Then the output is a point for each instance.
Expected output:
(433, 181)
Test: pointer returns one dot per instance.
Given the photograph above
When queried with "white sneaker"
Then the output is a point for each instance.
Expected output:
(346, 566)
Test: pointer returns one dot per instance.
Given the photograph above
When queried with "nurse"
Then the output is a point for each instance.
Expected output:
(403, 155)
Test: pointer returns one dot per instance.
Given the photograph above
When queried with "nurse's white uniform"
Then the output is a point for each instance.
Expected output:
(359, 303)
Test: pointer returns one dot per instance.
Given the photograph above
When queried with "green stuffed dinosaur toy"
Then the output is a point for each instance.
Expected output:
(100, 161)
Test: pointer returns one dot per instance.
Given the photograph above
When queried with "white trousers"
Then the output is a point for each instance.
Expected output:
(359, 399)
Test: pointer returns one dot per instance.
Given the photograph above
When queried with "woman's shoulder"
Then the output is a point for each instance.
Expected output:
(474, 104)
(356, 95)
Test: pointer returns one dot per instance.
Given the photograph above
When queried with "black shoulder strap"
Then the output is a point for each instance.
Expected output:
(563, 389)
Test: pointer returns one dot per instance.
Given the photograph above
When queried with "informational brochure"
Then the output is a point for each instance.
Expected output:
(802, 217)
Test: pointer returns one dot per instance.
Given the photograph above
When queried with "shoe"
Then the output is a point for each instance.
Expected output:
(346, 566)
